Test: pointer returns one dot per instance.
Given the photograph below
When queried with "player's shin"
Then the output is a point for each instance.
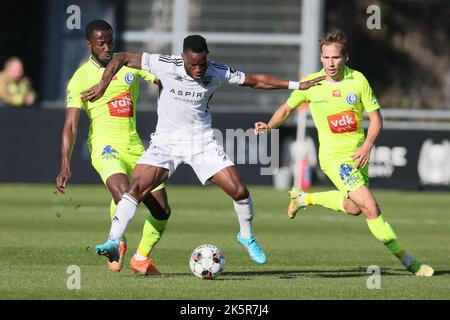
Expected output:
(125, 211)
(152, 232)
(333, 200)
(383, 231)
(112, 211)
(244, 210)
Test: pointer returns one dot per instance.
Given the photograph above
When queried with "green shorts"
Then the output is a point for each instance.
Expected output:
(110, 159)
(346, 177)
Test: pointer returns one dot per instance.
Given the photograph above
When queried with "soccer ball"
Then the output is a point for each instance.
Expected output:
(207, 262)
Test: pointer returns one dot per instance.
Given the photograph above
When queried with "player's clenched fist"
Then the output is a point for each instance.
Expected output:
(94, 93)
(261, 127)
(61, 180)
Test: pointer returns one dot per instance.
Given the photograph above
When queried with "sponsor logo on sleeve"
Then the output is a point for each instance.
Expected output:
(68, 97)
(121, 105)
(343, 122)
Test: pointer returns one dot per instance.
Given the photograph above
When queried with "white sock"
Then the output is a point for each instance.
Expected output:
(139, 257)
(244, 210)
(125, 211)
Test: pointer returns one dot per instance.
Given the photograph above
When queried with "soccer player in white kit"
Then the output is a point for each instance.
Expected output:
(184, 133)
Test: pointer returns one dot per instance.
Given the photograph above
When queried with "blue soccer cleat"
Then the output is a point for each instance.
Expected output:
(253, 248)
(110, 249)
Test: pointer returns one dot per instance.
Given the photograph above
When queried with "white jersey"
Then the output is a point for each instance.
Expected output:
(183, 101)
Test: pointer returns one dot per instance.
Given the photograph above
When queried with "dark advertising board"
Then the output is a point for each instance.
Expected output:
(403, 159)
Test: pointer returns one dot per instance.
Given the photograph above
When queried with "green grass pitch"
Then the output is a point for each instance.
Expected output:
(318, 255)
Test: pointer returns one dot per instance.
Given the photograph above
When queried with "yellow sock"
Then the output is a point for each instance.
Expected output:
(333, 200)
(382, 230)
(151, 234)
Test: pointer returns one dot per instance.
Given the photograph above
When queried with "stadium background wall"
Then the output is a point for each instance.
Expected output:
(30, 151)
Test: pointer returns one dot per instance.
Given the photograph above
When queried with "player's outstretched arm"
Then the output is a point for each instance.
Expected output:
(129, 59)
(268, 82)
(278, 118)
(362, 155)
(68, 138)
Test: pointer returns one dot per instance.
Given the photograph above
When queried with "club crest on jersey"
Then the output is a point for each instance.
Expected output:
(351, 98)
(108, 153)
(129, 77)
(206, 80)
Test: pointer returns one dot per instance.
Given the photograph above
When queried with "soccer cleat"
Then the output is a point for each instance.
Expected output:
(253, 248)
(419, 269)
(424, 271)
(110, 249)
(117, 265)
(145, 267)
(297, 202)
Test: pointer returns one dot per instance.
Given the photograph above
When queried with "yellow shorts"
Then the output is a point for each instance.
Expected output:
(110, 159)
(346, 177)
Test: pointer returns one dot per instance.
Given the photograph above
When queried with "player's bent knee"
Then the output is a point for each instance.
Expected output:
(351, 208)
(240, 193)
(135, 191)
(354, 213)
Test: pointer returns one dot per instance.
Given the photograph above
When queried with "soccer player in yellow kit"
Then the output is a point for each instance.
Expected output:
(337, 107)
(113, 141)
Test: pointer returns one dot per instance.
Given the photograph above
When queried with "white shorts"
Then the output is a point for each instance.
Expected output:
(205, 156)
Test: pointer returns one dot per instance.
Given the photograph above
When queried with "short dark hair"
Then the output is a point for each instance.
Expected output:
(98, 25)
(335, 36)
(195, 43)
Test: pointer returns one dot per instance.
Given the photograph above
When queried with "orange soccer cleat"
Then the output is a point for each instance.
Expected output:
(145, 267)
(117, 265)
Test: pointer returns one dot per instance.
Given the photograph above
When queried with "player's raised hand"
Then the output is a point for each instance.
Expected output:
(261, 127)
(311, 83)
(362, 156)
(94, 93)
(62, 179)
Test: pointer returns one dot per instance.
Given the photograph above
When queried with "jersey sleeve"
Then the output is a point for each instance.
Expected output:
(147, 76)
(234, 77)
(296, 98)
(150, 63)
(368, 99)
(73, 93)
